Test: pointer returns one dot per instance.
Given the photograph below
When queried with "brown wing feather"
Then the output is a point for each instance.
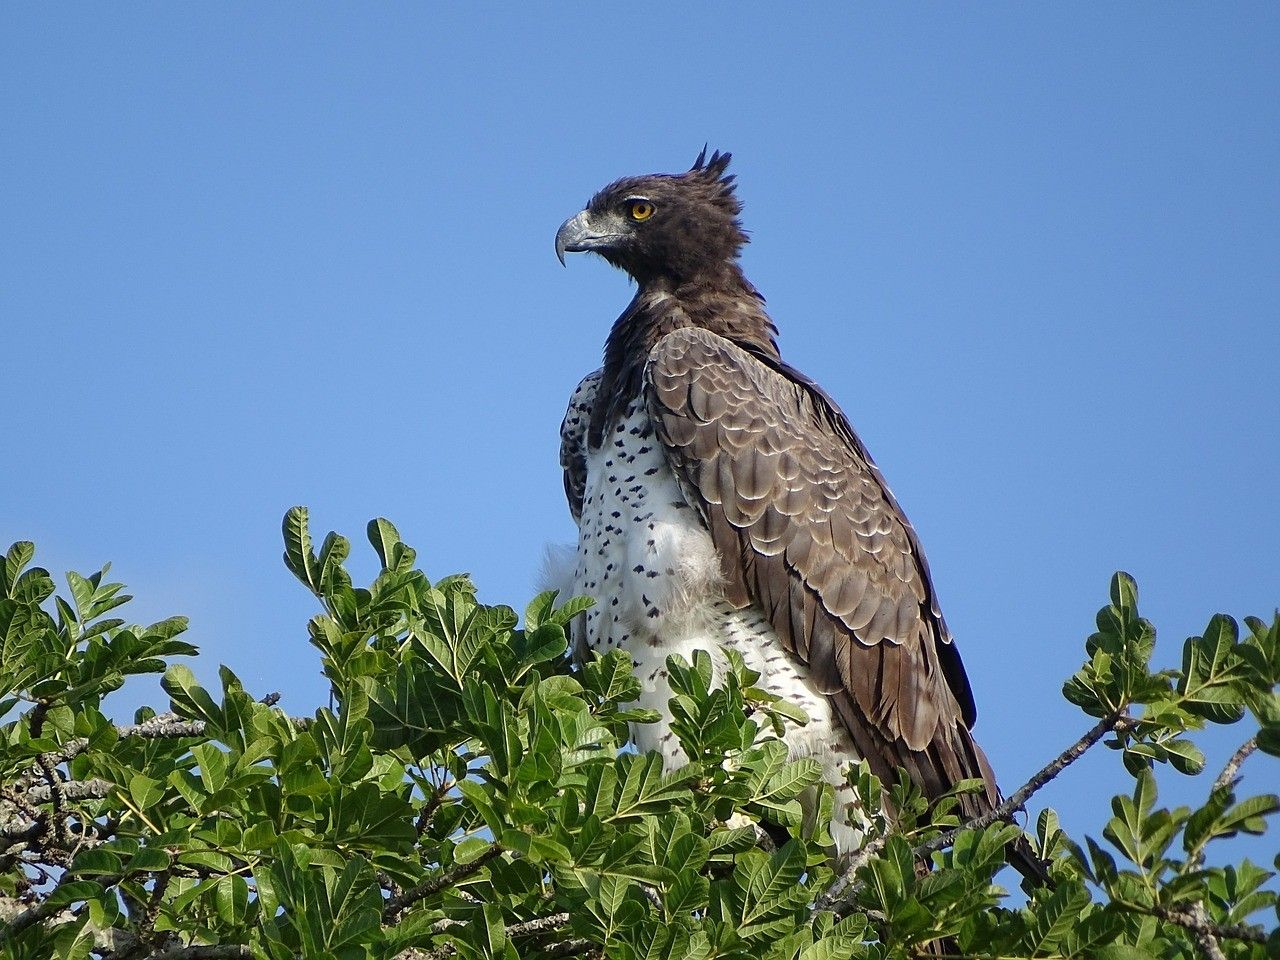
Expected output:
(782, 481)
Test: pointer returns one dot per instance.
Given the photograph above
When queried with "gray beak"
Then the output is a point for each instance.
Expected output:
(579, 233)
(571, 234)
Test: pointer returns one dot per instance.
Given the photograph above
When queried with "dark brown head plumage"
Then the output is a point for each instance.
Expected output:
(671, 227)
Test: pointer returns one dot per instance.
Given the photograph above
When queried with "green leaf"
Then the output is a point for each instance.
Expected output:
(231, 899)
(1054, 918)
(469, 849)
(1124, 592)
(299, 556)
(15, 561)
(190, 700)
(74, 891)
(1269, 739)
(385, 538)
(144, 792)
(1185, 756)
(1212, 671)
(148, 860)
(1122, 951)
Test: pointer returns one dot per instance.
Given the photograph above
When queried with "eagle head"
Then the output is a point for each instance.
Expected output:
(672, 226)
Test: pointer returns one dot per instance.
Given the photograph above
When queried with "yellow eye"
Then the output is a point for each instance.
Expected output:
(641, 209)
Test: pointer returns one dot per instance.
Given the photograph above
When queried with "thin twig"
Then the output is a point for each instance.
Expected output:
(1195, 912)
(164, 726)
(1228, 774)
(525, 928)
(447, 879)
(428, 811)
(859, 860)
(1018, 799)
(842, 892)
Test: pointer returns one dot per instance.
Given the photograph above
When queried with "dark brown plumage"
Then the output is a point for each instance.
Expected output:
(804, 525)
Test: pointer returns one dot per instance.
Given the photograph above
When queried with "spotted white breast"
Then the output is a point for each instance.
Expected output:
(645, 555)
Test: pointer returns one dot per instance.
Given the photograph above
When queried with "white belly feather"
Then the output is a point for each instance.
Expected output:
(647, 559)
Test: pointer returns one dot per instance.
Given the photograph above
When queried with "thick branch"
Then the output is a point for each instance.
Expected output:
(538, 925)
(219, 951)
(43, 910)
(1202, 925)
(56, 832)
(1205, 940)
(169, 726)
(94, 789)
(445, 880)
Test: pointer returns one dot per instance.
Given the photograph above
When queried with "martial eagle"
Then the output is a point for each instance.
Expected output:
(724, 501)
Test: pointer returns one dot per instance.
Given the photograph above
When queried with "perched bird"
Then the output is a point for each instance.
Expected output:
(724, 501)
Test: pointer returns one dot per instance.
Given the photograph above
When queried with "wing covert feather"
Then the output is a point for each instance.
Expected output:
(784, 483)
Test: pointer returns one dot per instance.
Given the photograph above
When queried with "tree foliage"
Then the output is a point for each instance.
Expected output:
(466, 793)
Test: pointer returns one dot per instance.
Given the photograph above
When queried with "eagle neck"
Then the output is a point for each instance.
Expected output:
(727, 305)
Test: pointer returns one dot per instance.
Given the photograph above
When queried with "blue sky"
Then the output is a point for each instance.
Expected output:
(259, 255)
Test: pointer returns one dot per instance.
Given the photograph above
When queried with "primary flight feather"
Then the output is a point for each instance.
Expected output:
(724, 501)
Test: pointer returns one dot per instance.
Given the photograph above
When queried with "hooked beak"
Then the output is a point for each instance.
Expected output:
(579, 234)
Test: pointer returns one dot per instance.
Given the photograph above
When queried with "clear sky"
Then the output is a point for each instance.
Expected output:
(257, 255)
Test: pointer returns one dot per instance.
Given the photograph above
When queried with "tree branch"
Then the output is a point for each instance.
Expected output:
(447, 879)
(56, 825)
(1205, 936)
(1228, 774)
(525, 928)
(1205, 940)
(840, 894)
(218, 951)
(834, 894)
(428, 811)
(45, 909)
(1201, 924)
(164, 726)
(94, 789)
(1018, 799)
(169, 726)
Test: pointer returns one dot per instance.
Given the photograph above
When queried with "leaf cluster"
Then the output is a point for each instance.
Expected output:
(468, 792)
